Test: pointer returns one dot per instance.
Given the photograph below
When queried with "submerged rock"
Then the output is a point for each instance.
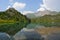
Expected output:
(4, 36)
(27, 34)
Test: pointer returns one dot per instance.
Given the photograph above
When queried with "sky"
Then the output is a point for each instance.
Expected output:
(30, 6)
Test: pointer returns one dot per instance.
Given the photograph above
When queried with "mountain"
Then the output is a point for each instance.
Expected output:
(12, 21)
(30, 15)
(41, 13)
(48, 20)
(10, 14)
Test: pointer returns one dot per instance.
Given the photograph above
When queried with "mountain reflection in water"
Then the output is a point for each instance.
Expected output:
(27, 34)
(30, 33)
(4, 36)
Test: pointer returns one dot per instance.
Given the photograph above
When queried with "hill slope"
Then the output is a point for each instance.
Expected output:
(47, 20)
(11, 21)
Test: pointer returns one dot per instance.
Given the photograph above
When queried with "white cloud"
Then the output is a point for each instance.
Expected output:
(53, 5)
(8, 7)
(41, 8)
(27, 12)
(18, 5)
(11, 0)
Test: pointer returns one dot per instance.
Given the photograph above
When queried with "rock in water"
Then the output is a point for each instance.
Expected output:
(27, 34)
(4, 36)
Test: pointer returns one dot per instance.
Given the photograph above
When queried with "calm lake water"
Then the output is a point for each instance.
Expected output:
(33, 26)
(29, 33)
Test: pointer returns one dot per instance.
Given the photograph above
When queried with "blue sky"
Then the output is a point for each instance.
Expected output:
(3, 4)
(30, 6)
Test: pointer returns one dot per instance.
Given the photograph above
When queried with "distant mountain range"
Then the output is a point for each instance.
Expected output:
(51, 19)
(41, 13)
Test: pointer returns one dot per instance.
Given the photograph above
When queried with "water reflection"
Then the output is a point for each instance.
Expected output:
(27, 34)
(33, 26)
(54, 36)
(30, 33)
(4, 36)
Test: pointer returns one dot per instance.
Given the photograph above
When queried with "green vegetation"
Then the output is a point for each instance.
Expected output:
(48, 20)
(12, 21)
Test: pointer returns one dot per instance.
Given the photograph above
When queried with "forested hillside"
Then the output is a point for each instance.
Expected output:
(12, 21)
